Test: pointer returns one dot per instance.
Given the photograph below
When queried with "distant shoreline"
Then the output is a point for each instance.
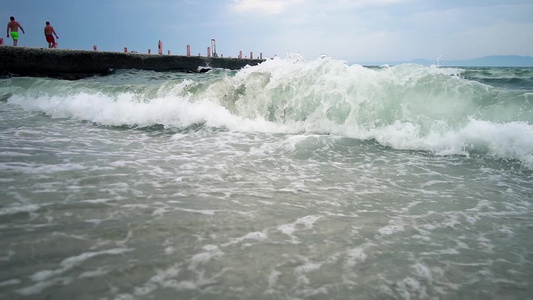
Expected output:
(77, 64)
(493, 61)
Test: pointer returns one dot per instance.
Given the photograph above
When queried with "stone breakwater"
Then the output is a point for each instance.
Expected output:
(76, 64)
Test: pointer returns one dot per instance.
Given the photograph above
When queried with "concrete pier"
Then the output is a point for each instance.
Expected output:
(76, 64)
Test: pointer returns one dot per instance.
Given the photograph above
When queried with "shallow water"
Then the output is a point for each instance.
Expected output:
(144, 185)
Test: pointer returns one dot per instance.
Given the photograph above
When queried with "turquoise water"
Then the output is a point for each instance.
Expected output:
(293, 179)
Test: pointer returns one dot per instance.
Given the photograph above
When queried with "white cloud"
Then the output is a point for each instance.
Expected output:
(343, 5)
(263, 6)
(356, 3)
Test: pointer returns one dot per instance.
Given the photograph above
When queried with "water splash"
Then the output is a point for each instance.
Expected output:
(404, 107)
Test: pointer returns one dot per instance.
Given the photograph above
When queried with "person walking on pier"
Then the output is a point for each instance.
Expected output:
(14, 27)
(48, 31)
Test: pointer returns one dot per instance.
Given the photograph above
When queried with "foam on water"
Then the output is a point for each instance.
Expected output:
(18, 209)
(403, 107)
(47, 278)
(277, 181)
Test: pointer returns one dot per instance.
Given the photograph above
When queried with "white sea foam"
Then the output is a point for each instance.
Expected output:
(306, 222)
(47, 278)
(9, 282)
(210, 253)
(394, 227)
(321, 216)
(409, 284)
(30, 208)
(37, 169)
(99, 272)
(404, 107)
(423, 272)
(354, 256)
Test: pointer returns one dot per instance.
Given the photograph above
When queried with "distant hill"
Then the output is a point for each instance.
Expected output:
(486, 61)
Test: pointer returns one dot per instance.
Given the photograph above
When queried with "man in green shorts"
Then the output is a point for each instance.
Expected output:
(13, 26)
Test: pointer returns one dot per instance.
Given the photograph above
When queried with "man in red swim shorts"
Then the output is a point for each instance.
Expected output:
(48, 31)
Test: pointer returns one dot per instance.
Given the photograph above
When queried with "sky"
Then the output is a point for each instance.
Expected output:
(350, 30)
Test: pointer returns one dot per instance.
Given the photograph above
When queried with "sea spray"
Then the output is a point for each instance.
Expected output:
(292, 179)
(409, 107)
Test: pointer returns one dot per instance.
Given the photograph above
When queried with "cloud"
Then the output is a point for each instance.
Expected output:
(358, 3)
(263, 6)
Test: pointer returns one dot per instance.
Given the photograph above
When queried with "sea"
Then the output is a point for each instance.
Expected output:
(293, 179)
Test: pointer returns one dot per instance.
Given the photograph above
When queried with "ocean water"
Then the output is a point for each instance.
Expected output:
(293, 179)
